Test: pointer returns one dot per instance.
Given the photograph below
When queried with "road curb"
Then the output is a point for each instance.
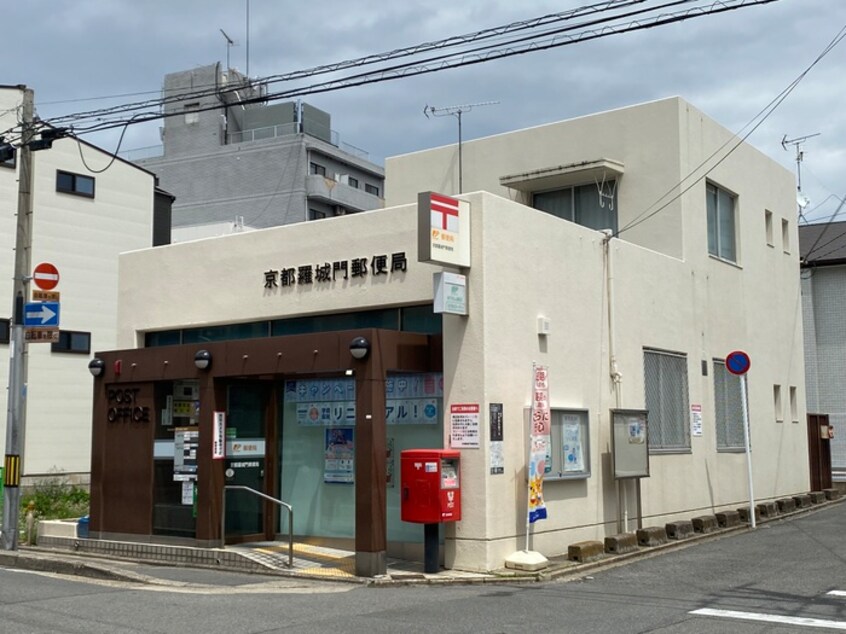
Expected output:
(108, 569)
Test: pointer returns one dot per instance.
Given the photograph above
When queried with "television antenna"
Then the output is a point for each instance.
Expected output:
(456, 111)
(801, 199)
(229, 44)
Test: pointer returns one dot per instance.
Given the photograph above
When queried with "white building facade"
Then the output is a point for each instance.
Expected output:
(640, 322)
(81, 220)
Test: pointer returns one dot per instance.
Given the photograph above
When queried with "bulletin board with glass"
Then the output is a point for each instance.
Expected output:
(568, 455)
(630, 443)
(570, 444)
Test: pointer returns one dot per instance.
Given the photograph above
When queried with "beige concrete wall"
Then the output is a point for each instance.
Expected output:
(645, 138)
(82, 237)
(221, 280)
(702, 308)
(525, 264)
(670, 295)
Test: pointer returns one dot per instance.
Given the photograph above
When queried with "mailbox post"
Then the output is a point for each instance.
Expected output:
(431, 494)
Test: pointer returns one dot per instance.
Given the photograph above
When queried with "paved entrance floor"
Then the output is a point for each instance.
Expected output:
(334, 563)
(310, 561)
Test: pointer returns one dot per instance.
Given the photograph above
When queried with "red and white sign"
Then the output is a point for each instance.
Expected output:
(443, 229)
(464, 425)
(219, 436)
(444, 213)
(541, 415)
(46, 276)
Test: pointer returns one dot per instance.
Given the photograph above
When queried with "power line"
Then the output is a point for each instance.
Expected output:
(455, 60)
(763, 115)
(822, 233)
(453, 41)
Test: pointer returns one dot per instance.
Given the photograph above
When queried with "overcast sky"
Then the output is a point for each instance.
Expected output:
(729, 65)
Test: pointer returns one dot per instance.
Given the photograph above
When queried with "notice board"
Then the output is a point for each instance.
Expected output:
(630, 443)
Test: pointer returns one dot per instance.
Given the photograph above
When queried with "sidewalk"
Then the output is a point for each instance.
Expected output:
(165, 565)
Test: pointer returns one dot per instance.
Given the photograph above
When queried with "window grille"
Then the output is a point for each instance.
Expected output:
(665, 384)
(728, 408)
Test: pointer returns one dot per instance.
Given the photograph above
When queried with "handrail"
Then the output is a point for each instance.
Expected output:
(232, 487)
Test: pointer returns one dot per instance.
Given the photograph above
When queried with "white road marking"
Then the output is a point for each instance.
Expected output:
(773, 618)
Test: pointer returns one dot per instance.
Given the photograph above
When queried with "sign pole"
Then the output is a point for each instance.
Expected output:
(16, 395)
(743, 392)
(738, 363)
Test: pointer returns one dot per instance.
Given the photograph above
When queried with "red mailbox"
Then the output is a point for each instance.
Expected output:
(431, 485)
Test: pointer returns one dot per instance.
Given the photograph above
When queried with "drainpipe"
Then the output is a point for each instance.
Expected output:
(616, 375)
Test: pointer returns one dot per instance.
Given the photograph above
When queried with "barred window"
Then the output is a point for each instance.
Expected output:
(728, 408)
(665, 384)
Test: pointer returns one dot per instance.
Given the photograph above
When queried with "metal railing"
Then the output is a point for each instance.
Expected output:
(233, 487)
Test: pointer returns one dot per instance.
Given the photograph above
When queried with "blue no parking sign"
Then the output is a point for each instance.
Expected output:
(738, 362)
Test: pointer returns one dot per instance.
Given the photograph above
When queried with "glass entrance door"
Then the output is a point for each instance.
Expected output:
(246, 461)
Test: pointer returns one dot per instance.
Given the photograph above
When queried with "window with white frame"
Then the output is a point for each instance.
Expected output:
(666, 396)
(722, 236)
(582, 204)
(728, 408)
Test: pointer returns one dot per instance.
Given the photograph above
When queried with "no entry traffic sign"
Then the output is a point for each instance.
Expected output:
(46, 276)
(738, 362)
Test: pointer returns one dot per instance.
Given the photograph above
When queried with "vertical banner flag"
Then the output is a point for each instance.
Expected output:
(538, 441)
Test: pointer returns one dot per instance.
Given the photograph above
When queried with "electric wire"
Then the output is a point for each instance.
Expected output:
(825, 228)
(762, 116)
(114, 154)
(212, 89)
(419, 67)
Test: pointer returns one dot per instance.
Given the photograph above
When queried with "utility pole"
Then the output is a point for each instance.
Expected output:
(16, 395)
(456, 111)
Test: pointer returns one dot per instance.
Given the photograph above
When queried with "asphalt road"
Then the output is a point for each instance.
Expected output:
(752, 582)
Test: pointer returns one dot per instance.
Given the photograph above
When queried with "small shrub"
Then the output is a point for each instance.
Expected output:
(54, 499)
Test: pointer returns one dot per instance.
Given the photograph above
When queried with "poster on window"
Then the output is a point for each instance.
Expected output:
(339, 456)
(411, 399)
(390, 479)
(185, 443)
(571, 444)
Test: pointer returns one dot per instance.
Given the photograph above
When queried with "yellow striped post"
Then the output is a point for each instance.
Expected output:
(12, 471)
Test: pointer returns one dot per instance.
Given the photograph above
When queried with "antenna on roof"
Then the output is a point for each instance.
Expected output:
(229, 44)
(801, 199)
(456, 111)
(248, 41)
